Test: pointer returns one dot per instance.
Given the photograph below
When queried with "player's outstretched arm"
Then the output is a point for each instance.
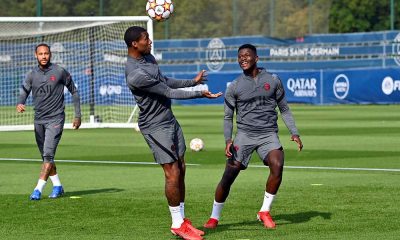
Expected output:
(208, 94)
(296, 138)
(20, 108)
(76, 123)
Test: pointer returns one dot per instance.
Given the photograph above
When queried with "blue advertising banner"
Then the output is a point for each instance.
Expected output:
(361, 86)
(366, 86)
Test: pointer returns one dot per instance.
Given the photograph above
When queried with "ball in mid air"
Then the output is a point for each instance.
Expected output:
(196, 144)
(159, 10)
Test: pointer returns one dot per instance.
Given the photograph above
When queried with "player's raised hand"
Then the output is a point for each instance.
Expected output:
(201, 77)
(20, 108)
(297, 139)
(76, 123)
(208, 94)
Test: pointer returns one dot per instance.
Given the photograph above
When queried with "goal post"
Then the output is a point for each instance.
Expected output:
(92, 49)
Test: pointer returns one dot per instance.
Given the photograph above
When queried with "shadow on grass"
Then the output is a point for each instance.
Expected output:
(300, 217)
(282, 219)
(93, 191)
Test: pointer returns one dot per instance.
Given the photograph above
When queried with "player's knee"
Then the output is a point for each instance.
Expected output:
(48, 159)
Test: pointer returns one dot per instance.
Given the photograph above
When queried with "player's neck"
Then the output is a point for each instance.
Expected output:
(252, 72)
(134, 54)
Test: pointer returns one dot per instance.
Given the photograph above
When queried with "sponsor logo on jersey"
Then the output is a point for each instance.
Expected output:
(341, 86)
(52, 78)
(267, 87)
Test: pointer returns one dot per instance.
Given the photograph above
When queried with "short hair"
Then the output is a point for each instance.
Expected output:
(249, 46)
(133, 34)
(42, 45)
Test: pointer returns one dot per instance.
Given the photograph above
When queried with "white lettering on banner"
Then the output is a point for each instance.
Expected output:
(303, 87)
(389, 85)
(5, 58)
(200, 87)
(341, 86)
(114, 58)
(110, 90)
(303, 52)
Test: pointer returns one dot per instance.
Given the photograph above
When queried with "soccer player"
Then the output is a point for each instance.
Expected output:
(254, 94)
(47, 81)
(153, 93)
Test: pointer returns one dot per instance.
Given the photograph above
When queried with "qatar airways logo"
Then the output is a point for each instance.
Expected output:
(302, 87)
(389, 85)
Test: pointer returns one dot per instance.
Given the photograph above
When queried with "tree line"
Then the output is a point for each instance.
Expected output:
(216, 18)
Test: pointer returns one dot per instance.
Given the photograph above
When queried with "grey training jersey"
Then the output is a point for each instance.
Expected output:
(47, 86)
(153, 92)
(255, 101)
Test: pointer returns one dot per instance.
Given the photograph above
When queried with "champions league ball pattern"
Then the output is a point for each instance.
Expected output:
(159, 10)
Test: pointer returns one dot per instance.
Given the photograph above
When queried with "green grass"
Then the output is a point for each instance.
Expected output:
(127, 201)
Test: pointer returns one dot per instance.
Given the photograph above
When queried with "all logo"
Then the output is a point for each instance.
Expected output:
(341, 86)
(52, 78)
(389, 85)
(267, 87)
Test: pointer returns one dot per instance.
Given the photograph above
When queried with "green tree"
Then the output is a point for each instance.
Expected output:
(360, 16)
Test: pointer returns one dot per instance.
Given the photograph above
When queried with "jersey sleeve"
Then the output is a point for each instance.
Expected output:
(229, 109)
(138, 79)
(25, 89)
(69, 83)
(179, 83)
(283, 106)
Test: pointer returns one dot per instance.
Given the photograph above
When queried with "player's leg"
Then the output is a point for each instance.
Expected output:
(242, 150)
(232, 170)
(54, 130)
(275, 161)
(40, 137)
(180, 150)
(271, 152)
(173, 193)
(163, 144)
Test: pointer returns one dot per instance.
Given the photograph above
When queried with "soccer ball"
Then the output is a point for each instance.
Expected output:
(196, 144)
(159, 10)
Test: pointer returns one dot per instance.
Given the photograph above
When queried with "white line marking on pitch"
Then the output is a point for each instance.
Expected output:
(86, 161)
(192, 164)
(337, 168)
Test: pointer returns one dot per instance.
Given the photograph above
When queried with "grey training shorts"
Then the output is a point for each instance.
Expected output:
(245, 144)
(167, 144)
(48, 135)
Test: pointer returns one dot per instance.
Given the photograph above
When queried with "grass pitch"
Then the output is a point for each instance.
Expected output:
(126, 201)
